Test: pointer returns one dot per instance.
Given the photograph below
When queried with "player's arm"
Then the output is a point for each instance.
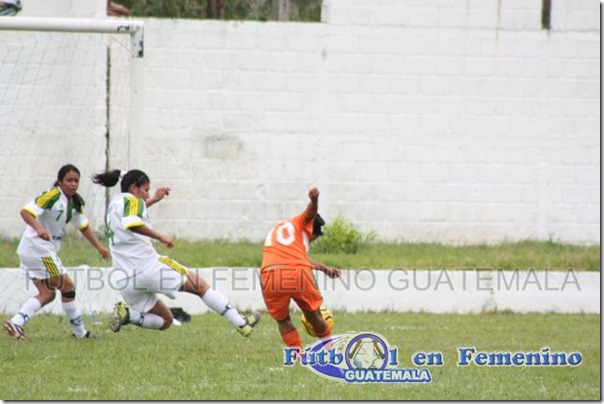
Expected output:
(149, 232)
(329, 271)
(313, 206)
(35, 224)
(159, 195)
(90, 236)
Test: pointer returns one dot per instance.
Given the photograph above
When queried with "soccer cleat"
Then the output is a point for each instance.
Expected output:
(250, 322)
(15, 331)
(88, 335)
(121, 316)
(10, 9)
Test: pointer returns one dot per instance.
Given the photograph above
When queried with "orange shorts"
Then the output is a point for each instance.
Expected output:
(282, 284)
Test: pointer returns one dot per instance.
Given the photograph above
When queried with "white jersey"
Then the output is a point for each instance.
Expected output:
(131, 253)
(53, 210)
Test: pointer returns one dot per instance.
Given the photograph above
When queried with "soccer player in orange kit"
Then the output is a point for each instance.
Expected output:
(286, 272)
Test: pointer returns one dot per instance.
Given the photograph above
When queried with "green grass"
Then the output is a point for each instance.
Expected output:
(206, 359)
(521, 255)
(538, 255)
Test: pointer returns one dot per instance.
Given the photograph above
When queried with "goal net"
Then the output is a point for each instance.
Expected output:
(68, 94)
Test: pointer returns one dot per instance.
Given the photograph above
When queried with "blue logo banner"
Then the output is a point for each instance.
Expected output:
(355, 358)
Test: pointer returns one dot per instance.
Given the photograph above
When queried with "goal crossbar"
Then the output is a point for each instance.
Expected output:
(89, 25)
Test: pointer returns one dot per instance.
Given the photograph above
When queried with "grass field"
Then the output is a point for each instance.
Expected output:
(207, 360)
(538, 255)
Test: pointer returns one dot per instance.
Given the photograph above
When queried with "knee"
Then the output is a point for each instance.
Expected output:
(318, 323)
(286, 325)
(68, 295)
(167, 323)
(323, 332)
(46, 297)
(196, 285)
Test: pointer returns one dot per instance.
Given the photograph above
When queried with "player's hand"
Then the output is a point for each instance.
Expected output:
(104, 252)
(158, 196)
(161, 192)
(313, 194)
(43, 234)
(116, 9)
(332, 272)
(168, 241)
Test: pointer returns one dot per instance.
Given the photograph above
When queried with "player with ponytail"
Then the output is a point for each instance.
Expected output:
(139, 272)
(46, 217)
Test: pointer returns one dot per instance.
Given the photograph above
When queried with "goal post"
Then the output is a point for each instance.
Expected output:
(70, 92)
(82, 25)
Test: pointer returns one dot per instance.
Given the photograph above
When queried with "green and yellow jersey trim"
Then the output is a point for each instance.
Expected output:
(173, 264)
(133, 206)
(49, 198)
(134, 224)
(50, 265)
(31, 212)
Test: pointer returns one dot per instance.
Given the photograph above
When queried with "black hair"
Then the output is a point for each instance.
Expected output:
(110, 178)
(77, 199)
(317, 224)
(63, 171)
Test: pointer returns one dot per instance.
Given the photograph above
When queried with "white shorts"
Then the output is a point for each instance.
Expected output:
(41, 267)
(140, 290)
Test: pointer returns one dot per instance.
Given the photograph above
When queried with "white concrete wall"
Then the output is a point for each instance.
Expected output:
(511, 15)
(451, 121)
(434, 291)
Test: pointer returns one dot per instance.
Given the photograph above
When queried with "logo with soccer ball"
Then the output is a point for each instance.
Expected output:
(366, 351)
(353, 358)
(327, 316)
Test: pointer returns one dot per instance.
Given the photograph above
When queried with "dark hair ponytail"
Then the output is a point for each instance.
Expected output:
(78, 202)
(110, 178)
(107, 179)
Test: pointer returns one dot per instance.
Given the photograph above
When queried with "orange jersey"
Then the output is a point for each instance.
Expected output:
(287, 243)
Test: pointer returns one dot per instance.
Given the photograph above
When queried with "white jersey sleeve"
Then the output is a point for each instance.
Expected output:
(33, 208)
(133, 212)
(131, 252)
(79, 220)
(53, 210)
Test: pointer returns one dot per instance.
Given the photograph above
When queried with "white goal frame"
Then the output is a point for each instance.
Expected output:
(134, 28)
(132, 95)
(103, 26)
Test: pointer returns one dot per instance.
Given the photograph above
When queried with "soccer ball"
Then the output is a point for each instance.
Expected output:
(327, 316)
(367, 354)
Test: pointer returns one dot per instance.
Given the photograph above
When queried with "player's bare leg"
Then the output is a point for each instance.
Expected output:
(65, 285)
(161, 310)
(289, 334)
(220, 304)
(318, 323)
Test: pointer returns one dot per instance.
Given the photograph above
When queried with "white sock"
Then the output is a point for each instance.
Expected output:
(220, 304)
(152, 321)
(145, 320)
(72, 310)
(135, 317)
(29, 308)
